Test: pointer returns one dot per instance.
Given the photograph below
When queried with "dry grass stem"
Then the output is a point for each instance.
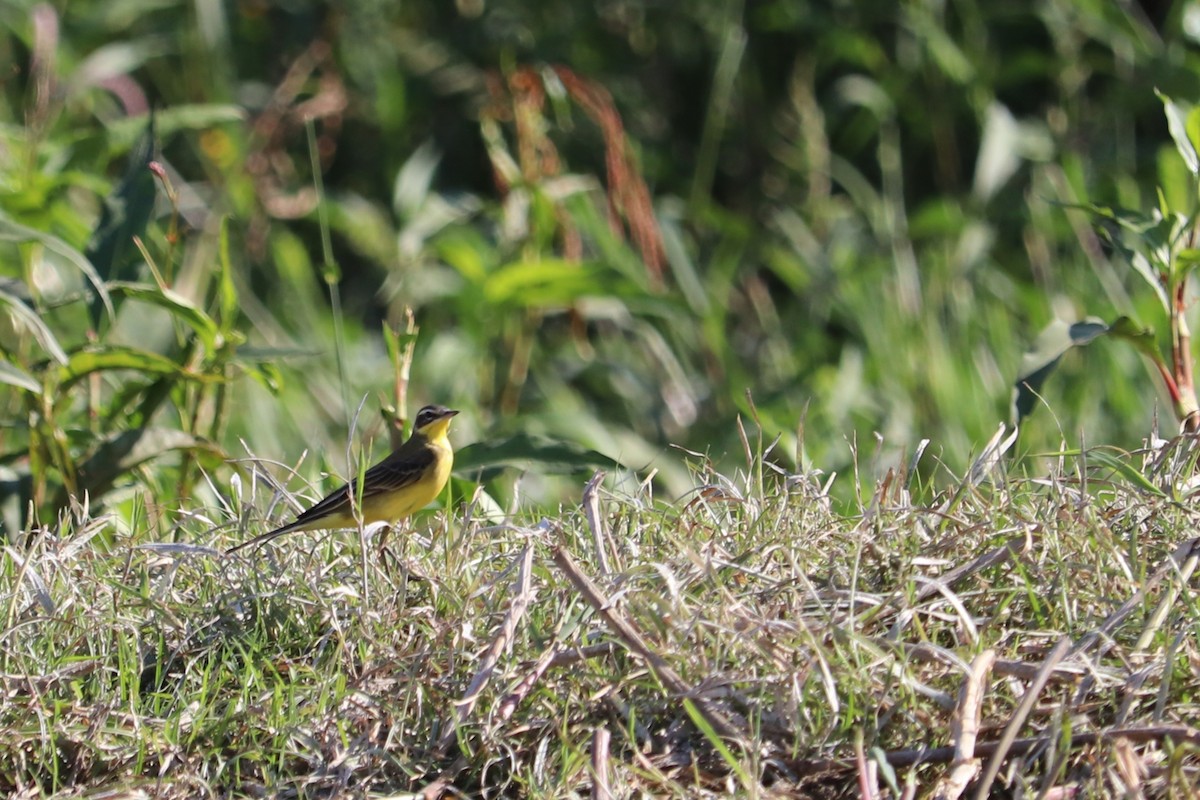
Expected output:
(964, 728)
(746, 640)
(523, 593)
(625, 631)
(600, 783)
(591, 512)
(1017, 721)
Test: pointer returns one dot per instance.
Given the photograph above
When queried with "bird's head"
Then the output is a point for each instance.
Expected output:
(433, 421)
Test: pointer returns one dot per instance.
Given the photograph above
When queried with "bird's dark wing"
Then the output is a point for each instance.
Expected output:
(397, 471)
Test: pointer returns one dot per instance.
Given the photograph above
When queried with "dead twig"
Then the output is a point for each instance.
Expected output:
(1019, 716)
(516, 611)
(508, 705)
(627, 633)
(964, 728)
(991, 558)
(600, 786)
(444, 782)
(866, 770)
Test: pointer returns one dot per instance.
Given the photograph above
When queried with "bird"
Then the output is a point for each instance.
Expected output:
(404, 482)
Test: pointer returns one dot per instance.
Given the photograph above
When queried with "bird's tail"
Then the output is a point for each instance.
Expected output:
(263, 538)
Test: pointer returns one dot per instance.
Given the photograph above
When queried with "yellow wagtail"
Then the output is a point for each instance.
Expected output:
(402, 483)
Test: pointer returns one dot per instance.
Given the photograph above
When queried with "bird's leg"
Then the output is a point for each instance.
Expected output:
(384, 553)
(407, 570)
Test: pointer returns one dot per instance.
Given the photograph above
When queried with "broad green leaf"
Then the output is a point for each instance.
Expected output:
(551, 282)
(1130, 219)
(127, 213)
(1141, 338)
(28, 318)
(123, 133)
(412, 183)
(109, 357)
(465, 251)
(12, 231)
(15, 376)
(1149, 274)
(1038, 363)
(124, 451)
(523, 450)
(1177, 124)
(179, 307)
(1186, 260)
(1153, 232)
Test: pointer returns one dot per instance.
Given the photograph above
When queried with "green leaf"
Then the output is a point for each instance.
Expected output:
(523, 449)
(1129, 218)
(1177, 123)
(1141, 338)
(124, 132)
(1192, 126)
(414, 179)
(1120, 466)
(268, 375)
(15, 376)
(1186, 260)
(12, 231)
(127, 213)
(550, 282)
(1038, 363)
(111, 357)
(1149, 274)
(1152, 238)
(25, 315)
(179, 307)
(886, 770)
(125, 451)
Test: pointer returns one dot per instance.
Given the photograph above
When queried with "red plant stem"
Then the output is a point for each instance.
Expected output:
(1169, 380)
(1184, 396)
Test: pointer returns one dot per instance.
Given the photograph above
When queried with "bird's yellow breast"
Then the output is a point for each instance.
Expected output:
(391, 506)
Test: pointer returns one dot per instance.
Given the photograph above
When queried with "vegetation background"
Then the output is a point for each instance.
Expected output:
(620, 226)
(864, 214)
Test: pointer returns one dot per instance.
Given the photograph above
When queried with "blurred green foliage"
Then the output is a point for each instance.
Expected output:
(863, 214)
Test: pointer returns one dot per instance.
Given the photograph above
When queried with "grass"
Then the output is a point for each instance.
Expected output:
(742, 640)
(853, 250)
